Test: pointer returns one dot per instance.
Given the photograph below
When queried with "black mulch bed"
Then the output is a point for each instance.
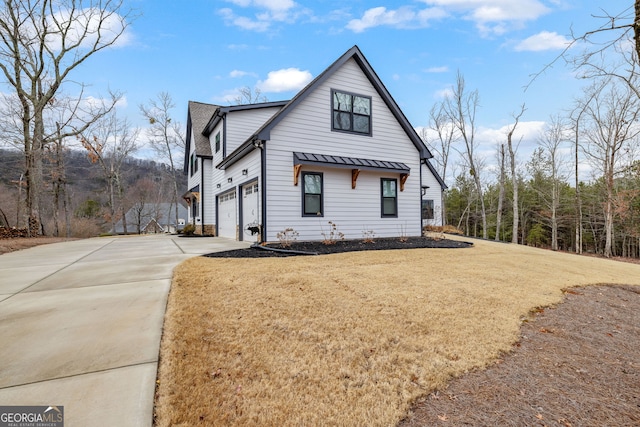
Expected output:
(320, 248)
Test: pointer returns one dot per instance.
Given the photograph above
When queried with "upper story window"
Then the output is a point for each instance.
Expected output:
(217, 142)
(351, 112)
(193, 163)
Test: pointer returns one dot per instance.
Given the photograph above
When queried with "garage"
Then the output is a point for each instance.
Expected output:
(227, 215)
(250, 214)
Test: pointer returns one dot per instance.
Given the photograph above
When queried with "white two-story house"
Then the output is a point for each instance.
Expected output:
(341, 150)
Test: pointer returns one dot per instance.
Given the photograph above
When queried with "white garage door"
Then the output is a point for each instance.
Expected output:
(227, 215)
(250, 209)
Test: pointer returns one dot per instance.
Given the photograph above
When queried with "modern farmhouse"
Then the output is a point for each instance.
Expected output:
(340, 151)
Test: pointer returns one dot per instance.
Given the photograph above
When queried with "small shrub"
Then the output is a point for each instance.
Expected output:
(403, 234)
(333, 235)
(450, 229)
(189, 230)
(287, 237)
(85, 227)
(368, 236)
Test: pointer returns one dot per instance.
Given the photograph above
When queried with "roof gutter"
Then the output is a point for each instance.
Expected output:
(248, 146)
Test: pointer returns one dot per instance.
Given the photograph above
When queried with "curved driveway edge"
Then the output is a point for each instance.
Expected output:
(81, 322)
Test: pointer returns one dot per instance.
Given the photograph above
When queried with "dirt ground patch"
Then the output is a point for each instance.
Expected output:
(355, 338)
(17, 244)
(576, 364)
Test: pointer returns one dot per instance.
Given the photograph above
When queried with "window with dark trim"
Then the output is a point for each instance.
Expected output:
(389, 197)
(193, 163)
(217, 142)
(351, 112)
(427, 209)
(312, 200)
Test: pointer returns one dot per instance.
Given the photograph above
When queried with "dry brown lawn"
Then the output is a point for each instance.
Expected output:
(349, 339)
(17, 244)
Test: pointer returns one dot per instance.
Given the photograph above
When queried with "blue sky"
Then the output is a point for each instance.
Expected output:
(205, 50)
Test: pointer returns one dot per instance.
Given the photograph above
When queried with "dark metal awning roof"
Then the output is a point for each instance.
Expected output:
(348, 162)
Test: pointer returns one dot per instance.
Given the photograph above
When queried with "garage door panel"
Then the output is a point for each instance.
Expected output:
(227, 215)
(250, 204)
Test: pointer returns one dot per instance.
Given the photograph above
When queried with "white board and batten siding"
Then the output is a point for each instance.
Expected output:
(307, 128)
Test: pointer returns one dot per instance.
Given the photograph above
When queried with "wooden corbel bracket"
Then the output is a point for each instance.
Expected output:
(354, 177)
(403, 179)
(296, 173)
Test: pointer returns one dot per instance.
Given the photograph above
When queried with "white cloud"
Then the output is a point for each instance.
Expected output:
(442, 69)
(235, 74)
(243, 22)
(237, 46)
(544, 40)
(87, 27)
(284, 80)
(443, 93)
(275, 5)
(526, 130)
(494, 16)
(269, 11)
(403, 17)
(494, 10)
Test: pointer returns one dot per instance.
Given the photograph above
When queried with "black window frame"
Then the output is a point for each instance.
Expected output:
(304, 194)
(217, 137)
(351, 113)
(193, 163)
(426, 210)
(383, 198)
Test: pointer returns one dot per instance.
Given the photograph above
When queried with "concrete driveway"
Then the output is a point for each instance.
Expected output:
(81, 321)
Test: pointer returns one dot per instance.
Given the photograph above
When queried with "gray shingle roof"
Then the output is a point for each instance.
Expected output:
(200, 114)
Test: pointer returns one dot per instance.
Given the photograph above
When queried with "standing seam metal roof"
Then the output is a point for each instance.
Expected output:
(349, 162)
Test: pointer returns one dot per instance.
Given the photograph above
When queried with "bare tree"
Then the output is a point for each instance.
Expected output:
(461, 107)
(109, 143)
(576, 118)
(145, 199)
(610, 139)
(612, 49)
(552, 164)
(441, 145)
(514, 177)
(246, 95)
(41, 43)
(165, 136)
(501, 184)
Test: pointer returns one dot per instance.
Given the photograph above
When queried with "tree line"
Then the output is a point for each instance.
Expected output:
(83, 209)
(547, 199)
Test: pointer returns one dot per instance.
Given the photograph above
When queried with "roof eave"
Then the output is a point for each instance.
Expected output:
(245, 148)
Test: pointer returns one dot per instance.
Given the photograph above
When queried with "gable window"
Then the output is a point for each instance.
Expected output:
(351, 113)
(217, 142)
(389, 197)
(427, 209)
(312, 194)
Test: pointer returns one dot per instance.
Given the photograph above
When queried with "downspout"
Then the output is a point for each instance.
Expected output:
(421, 196)
(201, 194)
(263, 174)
